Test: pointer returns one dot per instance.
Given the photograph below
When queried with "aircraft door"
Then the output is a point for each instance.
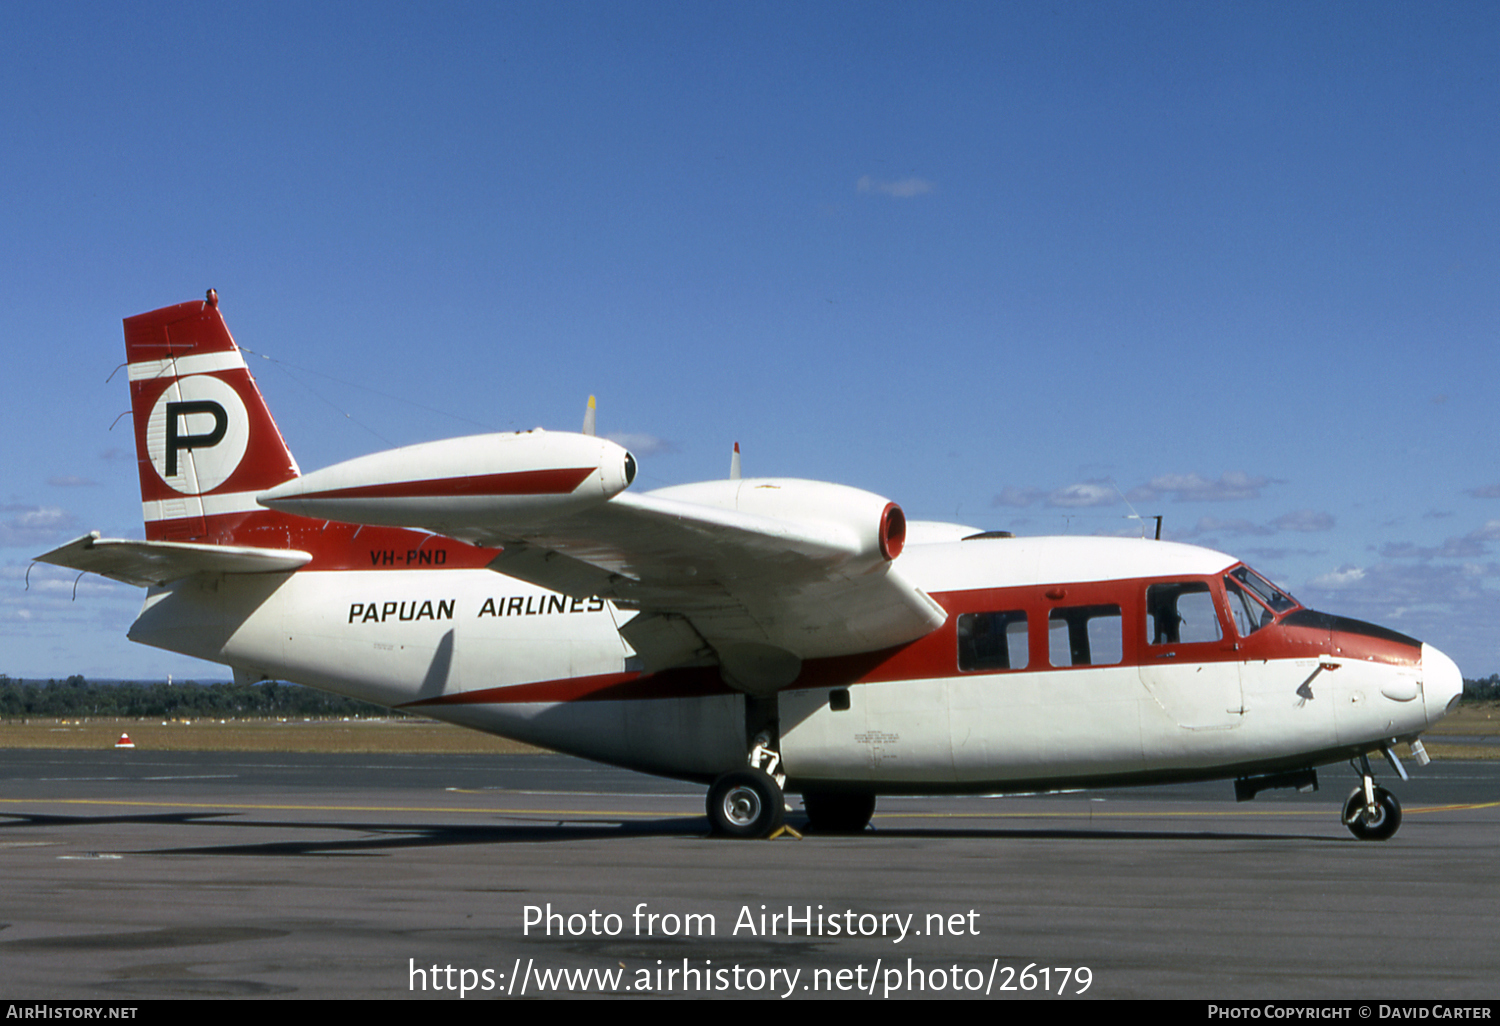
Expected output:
(1187, 667)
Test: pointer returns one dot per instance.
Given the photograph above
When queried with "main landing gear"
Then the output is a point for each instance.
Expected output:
(746, 803)
(831, 812)
(1370, 812)
(749, 802)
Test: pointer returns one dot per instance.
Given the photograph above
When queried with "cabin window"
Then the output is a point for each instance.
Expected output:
(992, 641)
(1178, 614)
(1085, 636)
(1248, 615)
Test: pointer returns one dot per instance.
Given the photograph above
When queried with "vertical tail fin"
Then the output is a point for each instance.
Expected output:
(206, 447)
(205, 443)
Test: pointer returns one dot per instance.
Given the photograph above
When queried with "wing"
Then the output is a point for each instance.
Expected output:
(758, 574)
(762, 592)
(150, 563)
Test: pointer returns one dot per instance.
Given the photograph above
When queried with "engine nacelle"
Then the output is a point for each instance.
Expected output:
(520, 478)
(860, 523)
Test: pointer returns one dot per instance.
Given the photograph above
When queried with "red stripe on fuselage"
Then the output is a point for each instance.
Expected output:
(936, 655)
(684, 682)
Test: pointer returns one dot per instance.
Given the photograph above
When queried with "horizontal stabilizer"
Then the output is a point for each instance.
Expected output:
(149, 563)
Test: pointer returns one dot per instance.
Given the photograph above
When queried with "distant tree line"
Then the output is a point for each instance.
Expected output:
(76, 698)
(1485, 689)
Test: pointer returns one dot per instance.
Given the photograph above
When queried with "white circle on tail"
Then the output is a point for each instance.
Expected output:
(197, 434)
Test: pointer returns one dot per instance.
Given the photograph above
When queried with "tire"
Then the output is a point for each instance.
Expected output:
(745, 803)
(838, 812)
(1383, 825)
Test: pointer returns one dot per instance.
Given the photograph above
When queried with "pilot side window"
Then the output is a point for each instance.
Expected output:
(1085, 636)
(1178, 614)
(992, 641)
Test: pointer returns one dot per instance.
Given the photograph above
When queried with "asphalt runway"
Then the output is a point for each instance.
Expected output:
(132, 875)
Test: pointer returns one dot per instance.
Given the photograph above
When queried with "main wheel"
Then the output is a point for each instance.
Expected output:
(745, 803)
(832, 812)
(1379, 826)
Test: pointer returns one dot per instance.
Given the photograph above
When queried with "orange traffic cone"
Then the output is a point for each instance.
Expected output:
(124, 742)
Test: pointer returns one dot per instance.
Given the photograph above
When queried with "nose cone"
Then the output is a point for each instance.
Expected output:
(1442, 683)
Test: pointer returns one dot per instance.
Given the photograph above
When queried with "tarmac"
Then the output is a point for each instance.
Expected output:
(138, 875)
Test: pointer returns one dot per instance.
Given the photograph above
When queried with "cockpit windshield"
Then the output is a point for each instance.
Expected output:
(1278, 600)
(1250, 615)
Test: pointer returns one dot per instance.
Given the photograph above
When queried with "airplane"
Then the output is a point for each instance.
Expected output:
(762, 636)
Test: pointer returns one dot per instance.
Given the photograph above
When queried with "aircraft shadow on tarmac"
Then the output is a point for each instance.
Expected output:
(378, 838)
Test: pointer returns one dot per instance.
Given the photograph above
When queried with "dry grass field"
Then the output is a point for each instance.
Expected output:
(260, 735)
(428, 736)
(1473, 719)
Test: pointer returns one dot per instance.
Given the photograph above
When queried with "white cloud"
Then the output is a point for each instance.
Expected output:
(902, 188)
(1231, 486)
(1452, 548)
(1213, 525)
(1469, 546)
(27, 526)
(1079, 495)
(1074, 496)
(1019, 497)
(1489, 532)
(1304, 520)
(1343, 577)
(1274, 554)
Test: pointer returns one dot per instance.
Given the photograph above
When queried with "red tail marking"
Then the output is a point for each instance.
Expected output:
(190, 341)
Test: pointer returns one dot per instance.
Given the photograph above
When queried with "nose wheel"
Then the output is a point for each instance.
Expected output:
(1370, 812)
(1372, 823)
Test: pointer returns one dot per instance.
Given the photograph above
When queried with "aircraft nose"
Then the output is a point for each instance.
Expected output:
(1442, 683)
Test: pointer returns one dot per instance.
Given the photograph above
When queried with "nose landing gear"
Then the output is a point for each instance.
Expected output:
(1370, 812)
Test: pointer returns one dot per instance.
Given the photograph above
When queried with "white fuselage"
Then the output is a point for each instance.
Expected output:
(490, 652)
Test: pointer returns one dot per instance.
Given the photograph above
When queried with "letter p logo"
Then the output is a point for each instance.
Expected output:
(177, 440)
(197, 433)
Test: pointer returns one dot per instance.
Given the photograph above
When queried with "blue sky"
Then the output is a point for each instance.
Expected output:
(1025, 266)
